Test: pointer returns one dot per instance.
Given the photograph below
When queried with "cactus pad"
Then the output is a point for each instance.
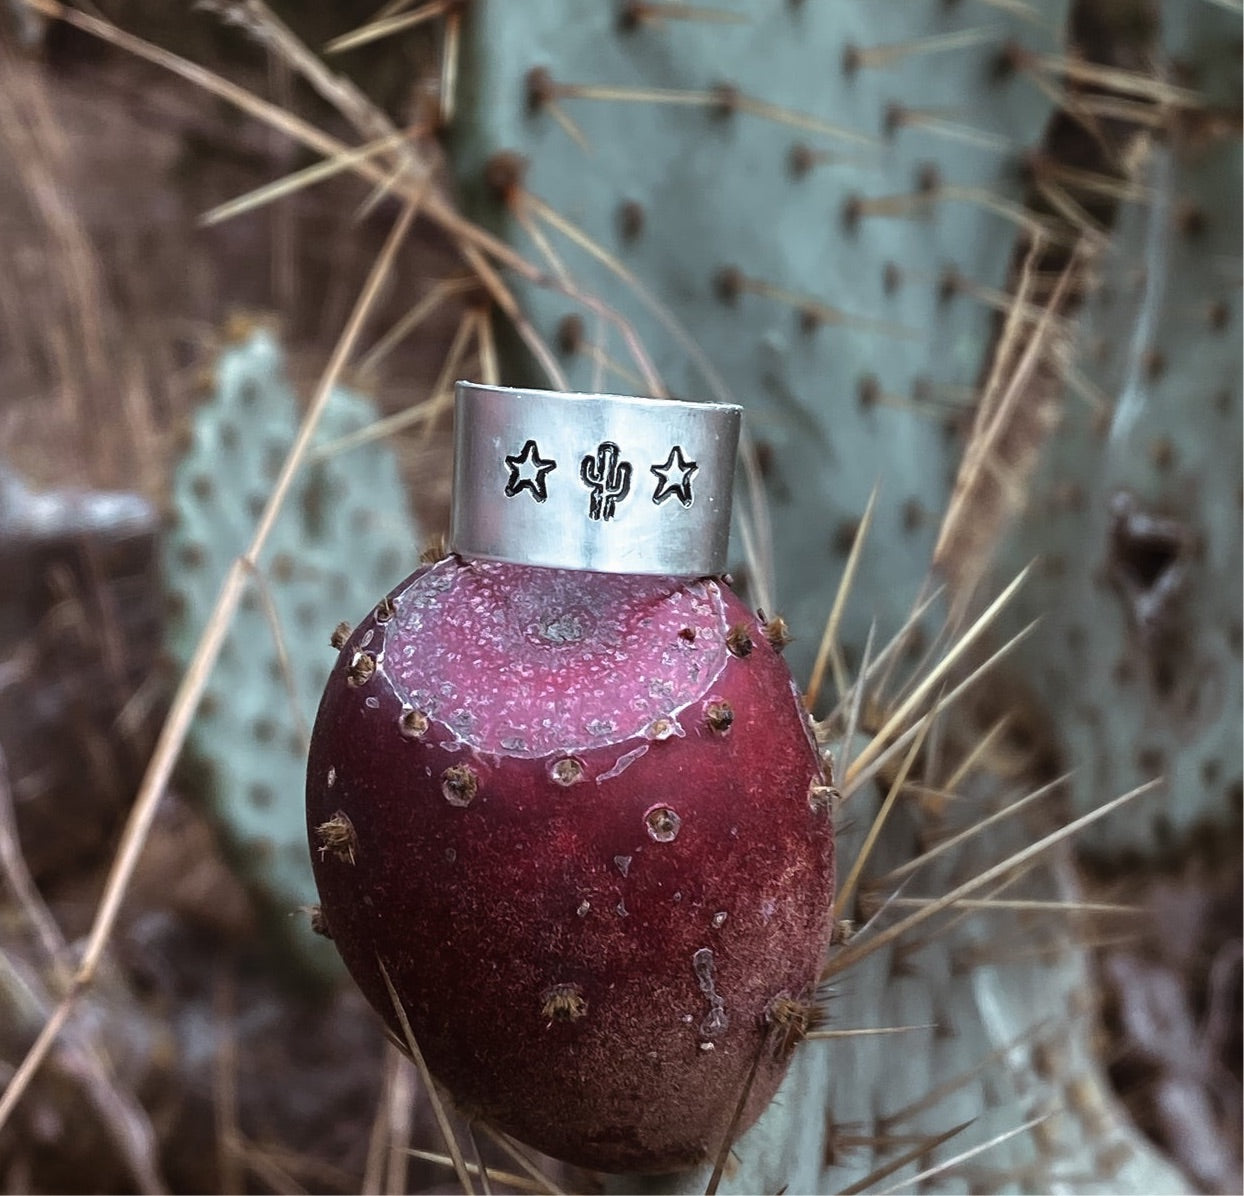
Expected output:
(344, 535)
(802, 188)
(1136, 514)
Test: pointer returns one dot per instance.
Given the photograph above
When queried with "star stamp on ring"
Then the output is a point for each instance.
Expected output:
(529, 471)
(675, 463)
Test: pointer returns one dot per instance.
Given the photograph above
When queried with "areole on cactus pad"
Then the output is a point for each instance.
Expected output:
(575, 824)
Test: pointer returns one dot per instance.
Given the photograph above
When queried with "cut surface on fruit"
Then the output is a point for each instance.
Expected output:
(543, 660)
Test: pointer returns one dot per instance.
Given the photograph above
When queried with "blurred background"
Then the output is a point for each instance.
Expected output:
(217, 1046)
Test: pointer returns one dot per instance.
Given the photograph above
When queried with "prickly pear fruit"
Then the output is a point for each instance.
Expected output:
(579, 822)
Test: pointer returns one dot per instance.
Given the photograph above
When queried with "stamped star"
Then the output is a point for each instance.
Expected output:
(528, 471)
(676, 465)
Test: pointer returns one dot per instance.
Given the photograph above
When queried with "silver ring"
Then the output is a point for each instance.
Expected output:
(597, 482)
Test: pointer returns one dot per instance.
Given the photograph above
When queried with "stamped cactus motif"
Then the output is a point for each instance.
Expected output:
(608, 478)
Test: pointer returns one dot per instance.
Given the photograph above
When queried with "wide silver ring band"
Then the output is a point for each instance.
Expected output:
(597, 482)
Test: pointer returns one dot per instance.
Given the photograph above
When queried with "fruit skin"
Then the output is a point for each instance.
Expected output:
(556, 932)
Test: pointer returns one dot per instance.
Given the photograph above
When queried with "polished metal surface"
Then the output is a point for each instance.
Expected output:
(599, 482)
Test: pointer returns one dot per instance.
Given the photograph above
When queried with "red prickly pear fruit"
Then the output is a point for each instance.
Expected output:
(579, 820)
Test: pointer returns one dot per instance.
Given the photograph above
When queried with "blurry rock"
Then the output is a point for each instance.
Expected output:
(79, 619)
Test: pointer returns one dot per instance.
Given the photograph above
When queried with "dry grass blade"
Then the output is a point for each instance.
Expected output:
(910, 1156)
(336, 89)
(434, 1097)
(842, 900)
(471, 241)
(523, 1159)
(715, 99)
(1008, 811)
(186, 699)
(425, 413)
(868, 1032)
(852, 955)
(378, 194)
(903, 714)
(909, 1184)
(35, 1056)
(934, 1096)
(387, 26)
(829, 650)
(261, 1163)
(842, 765)
(400, 1106)
(269, 114)
(373, 1170)
(291, 183)
(324, 1176)
(858, 776)
(511, 1179)
(445, 289)
(273, 618)
(120, 1113)
(732, 1130)
(25, 891)
(29, 128)
(437, 402)
(887, 655)
(1025, 905)
(478, 1168)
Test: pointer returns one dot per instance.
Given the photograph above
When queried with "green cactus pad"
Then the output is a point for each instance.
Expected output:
(828, 212)
(344, 536)
(1136, 512)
